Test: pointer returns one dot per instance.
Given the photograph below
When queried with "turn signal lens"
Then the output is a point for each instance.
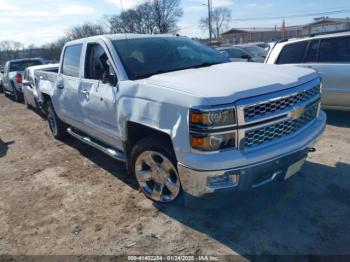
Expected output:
(197, 118)
(213, 142)
(200, 142)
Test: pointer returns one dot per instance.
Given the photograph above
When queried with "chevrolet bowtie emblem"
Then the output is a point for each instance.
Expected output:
(297, 112)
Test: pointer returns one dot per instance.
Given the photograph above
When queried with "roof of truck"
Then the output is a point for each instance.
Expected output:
(322, 36)
(119, 37)
(134, 36)
(40, 67)
(26, 59)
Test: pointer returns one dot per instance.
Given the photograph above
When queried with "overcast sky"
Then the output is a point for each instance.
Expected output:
(42, 21)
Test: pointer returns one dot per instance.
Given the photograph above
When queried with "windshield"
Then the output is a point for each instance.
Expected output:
(22, 65)
(144, 57)
(234, 52)
(255, 51)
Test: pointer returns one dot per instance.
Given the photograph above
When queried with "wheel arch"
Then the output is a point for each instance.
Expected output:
(136, 131)
(45, 98)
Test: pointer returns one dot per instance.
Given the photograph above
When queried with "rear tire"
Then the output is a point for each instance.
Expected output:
(57, 127)
(154, 165)
(16, 94)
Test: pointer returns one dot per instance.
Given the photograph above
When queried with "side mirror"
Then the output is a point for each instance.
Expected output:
(26, 83)
(225, 54)
(108, 78)
(248, 57)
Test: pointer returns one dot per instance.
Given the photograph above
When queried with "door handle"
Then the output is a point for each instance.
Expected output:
(85, 91)
(60, 86)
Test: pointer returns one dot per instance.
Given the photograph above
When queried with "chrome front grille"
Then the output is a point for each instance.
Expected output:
(275, 106)
(261, 135)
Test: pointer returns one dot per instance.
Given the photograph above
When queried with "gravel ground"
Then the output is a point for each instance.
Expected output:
(65, 198)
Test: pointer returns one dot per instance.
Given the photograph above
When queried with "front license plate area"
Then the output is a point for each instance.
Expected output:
(294, 168)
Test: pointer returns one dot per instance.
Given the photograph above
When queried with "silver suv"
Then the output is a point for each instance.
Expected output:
(327, 54)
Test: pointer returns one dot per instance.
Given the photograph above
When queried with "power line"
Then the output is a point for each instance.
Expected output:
(292, 16)
(314, 10)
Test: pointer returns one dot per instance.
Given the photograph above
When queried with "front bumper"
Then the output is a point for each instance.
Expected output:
(199, 182)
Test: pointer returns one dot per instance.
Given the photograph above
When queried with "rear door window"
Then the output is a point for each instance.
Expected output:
(335, 50)
(22, 65)
(71, 60)
(235, 53)
(312, 52)
(293, 53)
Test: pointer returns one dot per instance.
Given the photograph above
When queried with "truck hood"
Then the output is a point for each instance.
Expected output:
(229, 82)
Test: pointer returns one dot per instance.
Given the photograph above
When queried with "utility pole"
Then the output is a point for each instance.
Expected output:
(209, 20)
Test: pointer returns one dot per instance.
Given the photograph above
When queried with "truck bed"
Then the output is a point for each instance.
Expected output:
(46, 81)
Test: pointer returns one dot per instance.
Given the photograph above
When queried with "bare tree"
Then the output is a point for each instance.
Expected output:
(147, 13)
(220, 19)
(159, 16)
(167, 14)
(9, 50)
(85, 30)
(52, 51)
(127, 21)
(9, 45)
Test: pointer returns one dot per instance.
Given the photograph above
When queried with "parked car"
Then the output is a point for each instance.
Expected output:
(265, 46)
(31, 94)
(327, 54)
(180, 116)
(13, 75)
(236, 54)
(258, 53)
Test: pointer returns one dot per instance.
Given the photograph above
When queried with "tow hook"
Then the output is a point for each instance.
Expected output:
(312, 150)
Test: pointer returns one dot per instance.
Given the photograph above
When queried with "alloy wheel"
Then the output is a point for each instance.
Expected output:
(52, 120)
(157, 176)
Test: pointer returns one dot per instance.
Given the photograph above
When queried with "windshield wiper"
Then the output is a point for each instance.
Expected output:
(162, 71)
(155, 73)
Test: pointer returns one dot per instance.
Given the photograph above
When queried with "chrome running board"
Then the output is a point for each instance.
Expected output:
(118, 155)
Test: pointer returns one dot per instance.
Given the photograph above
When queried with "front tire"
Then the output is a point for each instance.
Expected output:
(26, 102)
(57, 127)
(153, 163)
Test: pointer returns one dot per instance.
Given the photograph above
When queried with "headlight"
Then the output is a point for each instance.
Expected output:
(210, 129)
(217, 118)
(213, 142)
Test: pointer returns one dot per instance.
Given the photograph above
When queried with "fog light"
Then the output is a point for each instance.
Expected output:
(223, 181)
(234, 179)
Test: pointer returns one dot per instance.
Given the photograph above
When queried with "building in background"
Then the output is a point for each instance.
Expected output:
(320, 25)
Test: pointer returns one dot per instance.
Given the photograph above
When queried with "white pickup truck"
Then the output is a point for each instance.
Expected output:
(182, 117)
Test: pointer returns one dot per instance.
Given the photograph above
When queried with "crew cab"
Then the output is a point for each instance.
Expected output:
(13, 76)
(181, 116)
